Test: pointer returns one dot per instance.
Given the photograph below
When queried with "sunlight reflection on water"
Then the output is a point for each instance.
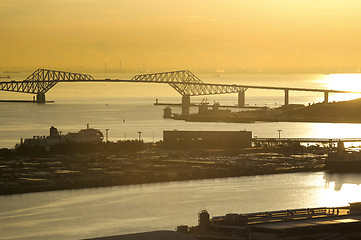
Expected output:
(124, 209)
(346, 82)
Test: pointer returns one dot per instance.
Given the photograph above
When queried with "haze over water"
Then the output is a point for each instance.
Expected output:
(143, 34)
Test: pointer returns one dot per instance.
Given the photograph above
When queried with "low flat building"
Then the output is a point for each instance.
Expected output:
(337, 227)
(207, 139)
(324, 223)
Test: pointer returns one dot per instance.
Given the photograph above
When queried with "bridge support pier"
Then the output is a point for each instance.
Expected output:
(241, 98)
(40, 98)
(186, 102)
(325, 100)
(287, 97)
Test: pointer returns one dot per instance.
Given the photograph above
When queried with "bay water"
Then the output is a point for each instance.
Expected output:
(107, 211)
(126, 109)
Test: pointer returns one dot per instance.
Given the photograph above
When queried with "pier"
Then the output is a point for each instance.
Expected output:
(199, 104)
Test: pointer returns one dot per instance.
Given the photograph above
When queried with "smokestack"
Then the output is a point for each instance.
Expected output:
(105, 64)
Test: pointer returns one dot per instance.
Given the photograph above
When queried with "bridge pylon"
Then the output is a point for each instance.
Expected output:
(40, 98)
(186, 102)
(241, 98)
(325, 93)
(287, 97)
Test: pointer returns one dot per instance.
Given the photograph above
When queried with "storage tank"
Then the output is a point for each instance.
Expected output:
(203, 221)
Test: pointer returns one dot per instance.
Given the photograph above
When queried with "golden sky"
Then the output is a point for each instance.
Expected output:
(175, 34)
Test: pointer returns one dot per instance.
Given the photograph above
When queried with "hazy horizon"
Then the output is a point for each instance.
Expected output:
(255, 36)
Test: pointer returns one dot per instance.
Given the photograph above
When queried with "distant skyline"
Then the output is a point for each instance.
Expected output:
(149, 34)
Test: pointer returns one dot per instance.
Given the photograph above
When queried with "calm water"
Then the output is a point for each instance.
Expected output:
(128, 108)
(76, 214)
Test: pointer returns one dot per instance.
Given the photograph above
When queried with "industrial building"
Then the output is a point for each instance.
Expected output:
(324, 223)
(207, 139)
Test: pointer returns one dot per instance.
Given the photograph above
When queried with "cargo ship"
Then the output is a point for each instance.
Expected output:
(343, 160)
(88, 135)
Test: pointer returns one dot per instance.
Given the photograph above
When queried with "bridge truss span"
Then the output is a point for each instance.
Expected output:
(52, 75)
(205, 89)
(182, 76)
(188, 84)
(42, 80)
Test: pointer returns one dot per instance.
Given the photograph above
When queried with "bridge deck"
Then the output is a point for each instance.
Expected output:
(187, 83)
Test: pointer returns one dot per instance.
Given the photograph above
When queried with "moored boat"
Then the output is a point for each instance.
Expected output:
(343, 160)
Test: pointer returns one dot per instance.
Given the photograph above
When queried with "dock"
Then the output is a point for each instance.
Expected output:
(200, 104)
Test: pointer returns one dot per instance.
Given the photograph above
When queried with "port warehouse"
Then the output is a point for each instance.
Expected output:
(235, 139)
(207, 139)
(308, 223)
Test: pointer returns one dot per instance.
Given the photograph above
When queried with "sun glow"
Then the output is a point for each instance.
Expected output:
(336, 193)
(340, 189)
(339, 130)
(345, 82)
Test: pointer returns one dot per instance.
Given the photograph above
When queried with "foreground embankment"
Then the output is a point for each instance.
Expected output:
(145, 164)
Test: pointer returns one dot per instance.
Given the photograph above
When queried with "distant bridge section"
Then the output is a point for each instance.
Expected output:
(41, 81)
(188, 84)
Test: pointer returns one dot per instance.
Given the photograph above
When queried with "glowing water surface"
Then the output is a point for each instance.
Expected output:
(77, 214)
(346, 82)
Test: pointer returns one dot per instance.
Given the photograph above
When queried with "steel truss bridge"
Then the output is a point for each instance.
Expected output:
(184, 82)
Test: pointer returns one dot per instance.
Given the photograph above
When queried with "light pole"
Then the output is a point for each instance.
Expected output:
(279, 134)
(106, 134)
